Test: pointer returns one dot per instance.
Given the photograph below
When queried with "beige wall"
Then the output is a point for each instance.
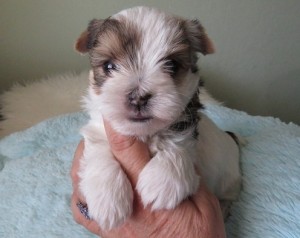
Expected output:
(256, 67)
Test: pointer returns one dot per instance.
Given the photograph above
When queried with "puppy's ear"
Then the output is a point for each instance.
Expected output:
(88, 38)
(198, 37)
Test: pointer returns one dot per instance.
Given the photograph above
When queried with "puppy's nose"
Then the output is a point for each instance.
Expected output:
(138, 101)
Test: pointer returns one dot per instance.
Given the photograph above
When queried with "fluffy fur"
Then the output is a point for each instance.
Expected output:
(145, 81)
(27, 104)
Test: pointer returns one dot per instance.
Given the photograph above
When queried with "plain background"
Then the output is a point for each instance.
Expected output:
(256, 67)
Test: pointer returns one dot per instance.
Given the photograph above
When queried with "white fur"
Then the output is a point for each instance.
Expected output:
(218, 160)
(170, 176)
(105, 186)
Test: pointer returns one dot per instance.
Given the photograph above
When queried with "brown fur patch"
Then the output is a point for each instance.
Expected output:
(87, 39)
(181, 50)
(117, 41)
(81, 43)
(198, 37)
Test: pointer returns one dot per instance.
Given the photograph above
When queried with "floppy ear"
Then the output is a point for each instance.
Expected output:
(88, 38)
(198, 37)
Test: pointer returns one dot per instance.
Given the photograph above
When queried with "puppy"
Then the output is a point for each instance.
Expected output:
(145, 82)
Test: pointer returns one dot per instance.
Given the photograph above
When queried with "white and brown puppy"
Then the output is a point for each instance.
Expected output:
(144, 81)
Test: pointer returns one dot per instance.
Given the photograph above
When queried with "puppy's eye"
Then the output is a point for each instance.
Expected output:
(109, 66)
(172, 67)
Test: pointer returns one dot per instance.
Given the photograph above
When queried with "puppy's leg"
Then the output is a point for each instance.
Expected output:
(104, 185)
(167, 179)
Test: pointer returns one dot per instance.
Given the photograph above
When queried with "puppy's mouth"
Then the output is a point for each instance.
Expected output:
(140, 118)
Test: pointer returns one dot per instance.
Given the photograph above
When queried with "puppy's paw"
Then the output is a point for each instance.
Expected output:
(109, 198)
(165, 185)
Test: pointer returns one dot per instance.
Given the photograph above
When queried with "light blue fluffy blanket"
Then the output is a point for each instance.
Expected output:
(35, 187)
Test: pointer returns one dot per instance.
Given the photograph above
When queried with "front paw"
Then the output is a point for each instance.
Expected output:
(165, 185)
(109, 199)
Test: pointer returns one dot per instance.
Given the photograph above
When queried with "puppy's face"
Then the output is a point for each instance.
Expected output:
(143, 67)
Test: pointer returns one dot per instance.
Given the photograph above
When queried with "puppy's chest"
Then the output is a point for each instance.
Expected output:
(168, 142)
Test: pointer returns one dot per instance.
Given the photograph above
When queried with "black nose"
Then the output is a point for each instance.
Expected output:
(138, 101)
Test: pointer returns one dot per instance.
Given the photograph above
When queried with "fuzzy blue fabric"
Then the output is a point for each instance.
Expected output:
(35, 188)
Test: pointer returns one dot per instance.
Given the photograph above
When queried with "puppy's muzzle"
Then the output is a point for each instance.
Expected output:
(137, 102)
